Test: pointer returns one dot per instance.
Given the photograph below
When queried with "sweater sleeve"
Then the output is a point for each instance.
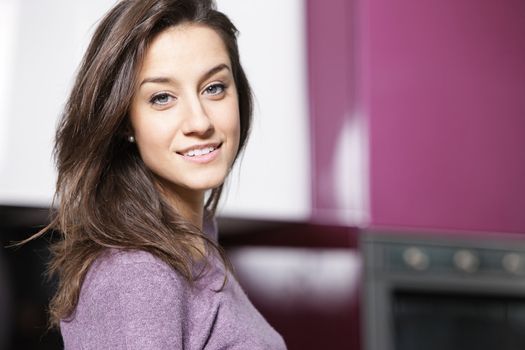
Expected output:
(135, 305)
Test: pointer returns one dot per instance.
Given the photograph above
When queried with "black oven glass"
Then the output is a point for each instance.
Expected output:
(434, 321)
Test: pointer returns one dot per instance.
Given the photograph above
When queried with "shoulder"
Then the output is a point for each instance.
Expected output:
(127, 300)
(130, 269)
(118, 258)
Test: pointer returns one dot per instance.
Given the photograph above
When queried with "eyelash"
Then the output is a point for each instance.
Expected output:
(155, 99)
(163, 95)
(221, 86)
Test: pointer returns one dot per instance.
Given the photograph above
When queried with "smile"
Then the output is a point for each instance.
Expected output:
(201, 154)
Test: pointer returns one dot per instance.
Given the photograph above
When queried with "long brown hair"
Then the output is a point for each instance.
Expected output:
(105, 196)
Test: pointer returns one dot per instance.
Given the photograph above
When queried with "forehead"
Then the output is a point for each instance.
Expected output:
(184, 49)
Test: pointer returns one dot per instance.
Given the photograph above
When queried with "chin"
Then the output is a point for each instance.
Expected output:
(204, 184)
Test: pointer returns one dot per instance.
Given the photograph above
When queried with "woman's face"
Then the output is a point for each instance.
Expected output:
(185, 112)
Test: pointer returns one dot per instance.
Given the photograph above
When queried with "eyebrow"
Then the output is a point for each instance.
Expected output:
(208, 74)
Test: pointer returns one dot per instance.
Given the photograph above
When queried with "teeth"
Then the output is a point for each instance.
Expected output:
(199, 152)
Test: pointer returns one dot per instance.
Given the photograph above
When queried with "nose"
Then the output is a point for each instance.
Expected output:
(196, 118)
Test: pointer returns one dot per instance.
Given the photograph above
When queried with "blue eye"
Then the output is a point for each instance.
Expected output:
(161, 99)
(215, 89)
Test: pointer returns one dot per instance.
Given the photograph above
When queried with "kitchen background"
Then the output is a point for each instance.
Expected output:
(380, 203)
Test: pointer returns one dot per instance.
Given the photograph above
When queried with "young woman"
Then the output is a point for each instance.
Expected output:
(159, 112)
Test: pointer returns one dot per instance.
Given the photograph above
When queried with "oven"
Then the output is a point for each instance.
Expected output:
(443, 291)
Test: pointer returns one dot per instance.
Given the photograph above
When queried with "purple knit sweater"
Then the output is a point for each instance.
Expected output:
(133, 300)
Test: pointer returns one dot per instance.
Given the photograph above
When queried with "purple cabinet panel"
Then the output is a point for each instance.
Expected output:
(446, 94)
(441, 84)
(330, 75)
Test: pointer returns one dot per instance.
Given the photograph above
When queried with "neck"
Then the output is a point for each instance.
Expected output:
(188, 203)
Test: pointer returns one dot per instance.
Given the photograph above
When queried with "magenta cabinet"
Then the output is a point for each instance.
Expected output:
(330, 75)
(441, 85)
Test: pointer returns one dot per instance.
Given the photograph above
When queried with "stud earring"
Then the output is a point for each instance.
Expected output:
(131, 139)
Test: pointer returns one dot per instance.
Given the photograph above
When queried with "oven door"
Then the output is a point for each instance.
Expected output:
(433, 292)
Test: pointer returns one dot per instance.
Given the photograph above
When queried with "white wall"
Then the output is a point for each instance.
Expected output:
(275, 172)
(41, 44)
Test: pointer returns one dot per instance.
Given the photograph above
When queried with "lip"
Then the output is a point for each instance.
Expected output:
(215, 145)
(202, 159)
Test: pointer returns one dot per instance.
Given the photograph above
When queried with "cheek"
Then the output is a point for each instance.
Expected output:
(232, 122)
(144, 123)
(154, 145)
(233, 127)
(151, 133)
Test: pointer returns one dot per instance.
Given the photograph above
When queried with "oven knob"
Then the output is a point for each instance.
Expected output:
(512, 263)
(416, 258)
(466, 261)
